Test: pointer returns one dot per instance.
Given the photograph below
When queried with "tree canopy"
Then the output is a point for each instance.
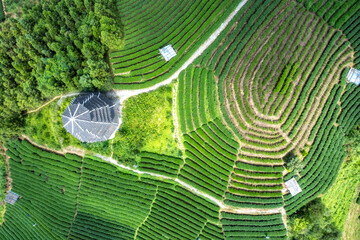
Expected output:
(55, 46)
(313, 222)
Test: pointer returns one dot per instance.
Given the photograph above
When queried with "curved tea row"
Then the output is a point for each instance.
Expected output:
(150, 25)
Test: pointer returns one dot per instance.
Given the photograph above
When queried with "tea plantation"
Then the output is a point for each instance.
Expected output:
(273, 83)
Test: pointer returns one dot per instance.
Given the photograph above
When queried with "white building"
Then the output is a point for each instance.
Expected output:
(168, 52)
(354, 76)
(293, 186)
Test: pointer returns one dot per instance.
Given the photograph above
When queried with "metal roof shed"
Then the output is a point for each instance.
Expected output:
(168, 52)
(293, 186)
(11, 197)
(92, 117)
(354, 76)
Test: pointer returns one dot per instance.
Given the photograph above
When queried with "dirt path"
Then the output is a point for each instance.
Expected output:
(71, 150)
(4, 7)
(45, 104)
(8, 175)
(221, 204)
(125, 94)
(77, 200)
(223, 207)
(151, 205)
(177, 132)
(50, 101)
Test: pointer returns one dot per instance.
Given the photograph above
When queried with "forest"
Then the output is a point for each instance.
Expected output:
(54, 47)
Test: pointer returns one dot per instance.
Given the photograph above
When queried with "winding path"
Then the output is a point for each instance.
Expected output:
(196, 191)
(4, 7)
(125, 94)
(221, 204)
(53, 99)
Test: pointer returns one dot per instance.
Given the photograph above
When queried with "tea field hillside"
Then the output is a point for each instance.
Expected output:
(259, 95)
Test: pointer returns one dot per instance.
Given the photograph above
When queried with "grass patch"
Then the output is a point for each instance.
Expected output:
(352, 226)
(147, 126)
(46, 128)
(342, 195)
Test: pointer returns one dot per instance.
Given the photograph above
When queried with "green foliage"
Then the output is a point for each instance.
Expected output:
(2, 177)
(343, 15)
(290, 78)
(191, 212)
(282, 79)
(14, 7)
(55, 46)
(37, 177)
(147, 126)
(46, 128)
(293, 163)
(242, 226)
(312, 222)
(305, 151)
(43, 126)
(197, 93)
(2, 13)
(110, 203)
(212, 231)
(160, 164)
(273, 33)
(344, 190)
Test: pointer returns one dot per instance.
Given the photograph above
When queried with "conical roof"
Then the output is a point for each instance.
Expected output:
(92, 117)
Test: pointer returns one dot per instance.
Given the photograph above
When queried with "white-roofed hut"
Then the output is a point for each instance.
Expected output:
(168, 52)
(293, 186)
(354, 76)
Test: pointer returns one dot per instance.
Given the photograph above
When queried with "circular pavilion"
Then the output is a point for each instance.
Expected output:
(92, 117)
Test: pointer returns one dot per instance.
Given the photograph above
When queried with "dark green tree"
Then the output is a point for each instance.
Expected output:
(312, 222)
(293, 163)
(54, 47)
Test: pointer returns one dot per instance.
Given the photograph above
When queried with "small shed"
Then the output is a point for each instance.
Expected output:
(11, 197)
(293, 186)
(353, 76)
(168, 52)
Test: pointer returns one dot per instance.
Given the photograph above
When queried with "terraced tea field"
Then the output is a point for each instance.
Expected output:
(275, 99)
(150, 25)
(94, 199)
(273, 83)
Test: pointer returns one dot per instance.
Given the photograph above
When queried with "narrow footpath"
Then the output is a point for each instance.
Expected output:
(4, 7)
(196, 191)
(223, 207)
(221, 204)
(53, 99)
